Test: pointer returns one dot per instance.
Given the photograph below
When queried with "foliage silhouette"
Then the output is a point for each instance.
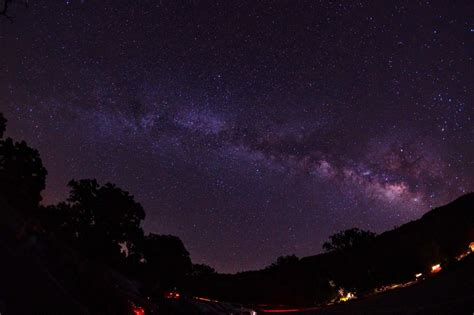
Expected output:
(22, 174)
(3, 125)
(103, 222)
(202, 270)
(166, 261)
(100, 220)
(348, 239)
(4, 7)
(284, 261)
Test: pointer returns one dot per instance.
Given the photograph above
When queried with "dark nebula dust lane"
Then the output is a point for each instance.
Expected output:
(250, 130)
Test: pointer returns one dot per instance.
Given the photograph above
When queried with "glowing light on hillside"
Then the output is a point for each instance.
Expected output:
(435, 268)
(204, 299)
(466, 253)
(345, 296)
(172, 295)
(137, 310)
(290, 310)
(418, 275)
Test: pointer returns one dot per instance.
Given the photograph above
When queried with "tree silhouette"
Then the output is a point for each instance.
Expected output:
(22, 175)
(99, 219)
(348, 239)
(202, 270)
(284, 261)
(3, 125)
(4, 4)
(166, 260)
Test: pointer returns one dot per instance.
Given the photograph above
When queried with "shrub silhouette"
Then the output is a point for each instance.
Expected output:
(22, 174)
(100, 220)
(348, 239)
(202, 270)
(166, 261)
(3, 125)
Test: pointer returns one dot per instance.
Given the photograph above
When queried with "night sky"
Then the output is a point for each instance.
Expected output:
(250, 129)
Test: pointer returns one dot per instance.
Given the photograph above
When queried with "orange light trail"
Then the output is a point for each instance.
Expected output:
(290, 310)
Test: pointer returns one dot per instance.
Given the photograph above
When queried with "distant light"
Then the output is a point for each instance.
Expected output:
(435, 268)
(205, 299)
(289, 310)
(172, 295)
(418, 275)
(471, 246)
(347, 297)
(137, 310)
(344, 297)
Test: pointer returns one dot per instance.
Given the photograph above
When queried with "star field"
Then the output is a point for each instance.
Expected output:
(249, 129)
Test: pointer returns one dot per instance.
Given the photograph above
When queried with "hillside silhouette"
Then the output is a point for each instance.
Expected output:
(395, 256)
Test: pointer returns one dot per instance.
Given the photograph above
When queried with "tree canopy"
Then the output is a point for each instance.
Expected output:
(202, 270)
(348, 239)
(284, 261)
(100, 219)
(22, 174)
(3, 125)
(166, 259)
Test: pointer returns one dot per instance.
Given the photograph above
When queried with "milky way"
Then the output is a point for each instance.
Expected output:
(248, 129)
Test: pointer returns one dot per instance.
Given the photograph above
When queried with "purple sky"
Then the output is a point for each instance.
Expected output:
(250, 129)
